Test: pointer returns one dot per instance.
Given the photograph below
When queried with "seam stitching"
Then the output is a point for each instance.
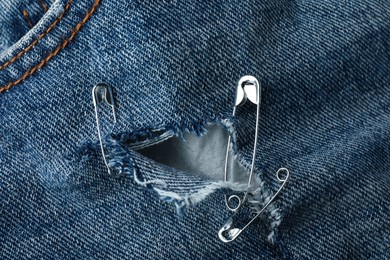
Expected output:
(40, 37)
(27, 18)
(56, 51)
(44, 7)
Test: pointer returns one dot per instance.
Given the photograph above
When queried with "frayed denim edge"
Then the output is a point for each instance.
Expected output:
(121, 162)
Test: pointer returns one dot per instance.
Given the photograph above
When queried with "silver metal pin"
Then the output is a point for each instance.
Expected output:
(248, 88)
(102, 93)
(228, 233)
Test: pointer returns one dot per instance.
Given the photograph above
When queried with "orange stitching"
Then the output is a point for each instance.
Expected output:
(27, 18)
(56, 51)
(17, 56)
(43, 5)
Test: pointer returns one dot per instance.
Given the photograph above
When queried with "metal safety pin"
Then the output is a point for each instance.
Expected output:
(102, 92)
(228, 233)
(248, 88)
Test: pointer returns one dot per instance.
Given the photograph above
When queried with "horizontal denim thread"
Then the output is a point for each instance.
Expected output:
(56, 51)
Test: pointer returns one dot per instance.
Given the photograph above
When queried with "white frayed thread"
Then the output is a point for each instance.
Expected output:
(192, 199)
(257, 200)
(145, 183)
(203, 193)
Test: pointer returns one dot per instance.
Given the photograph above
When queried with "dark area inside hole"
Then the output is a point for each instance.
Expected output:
(203, 156)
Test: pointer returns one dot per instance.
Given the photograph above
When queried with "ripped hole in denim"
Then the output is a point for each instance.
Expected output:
(203, 156)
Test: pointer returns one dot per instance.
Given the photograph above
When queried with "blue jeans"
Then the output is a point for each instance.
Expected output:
(174, 66)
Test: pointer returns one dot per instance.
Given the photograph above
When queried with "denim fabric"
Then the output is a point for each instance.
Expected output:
(174, 66)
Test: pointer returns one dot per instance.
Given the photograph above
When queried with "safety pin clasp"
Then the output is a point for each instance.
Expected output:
(248, 88)
(229, 233)
(102, 93)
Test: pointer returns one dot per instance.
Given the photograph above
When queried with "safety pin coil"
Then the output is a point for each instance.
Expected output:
(228, 233)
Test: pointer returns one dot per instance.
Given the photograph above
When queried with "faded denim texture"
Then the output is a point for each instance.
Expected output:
(174, 66)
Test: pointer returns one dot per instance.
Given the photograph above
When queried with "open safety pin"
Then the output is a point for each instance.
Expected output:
(248, 88)
(102, 92)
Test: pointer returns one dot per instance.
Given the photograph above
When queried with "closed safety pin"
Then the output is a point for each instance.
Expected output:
(248, 88)
(102, 92)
